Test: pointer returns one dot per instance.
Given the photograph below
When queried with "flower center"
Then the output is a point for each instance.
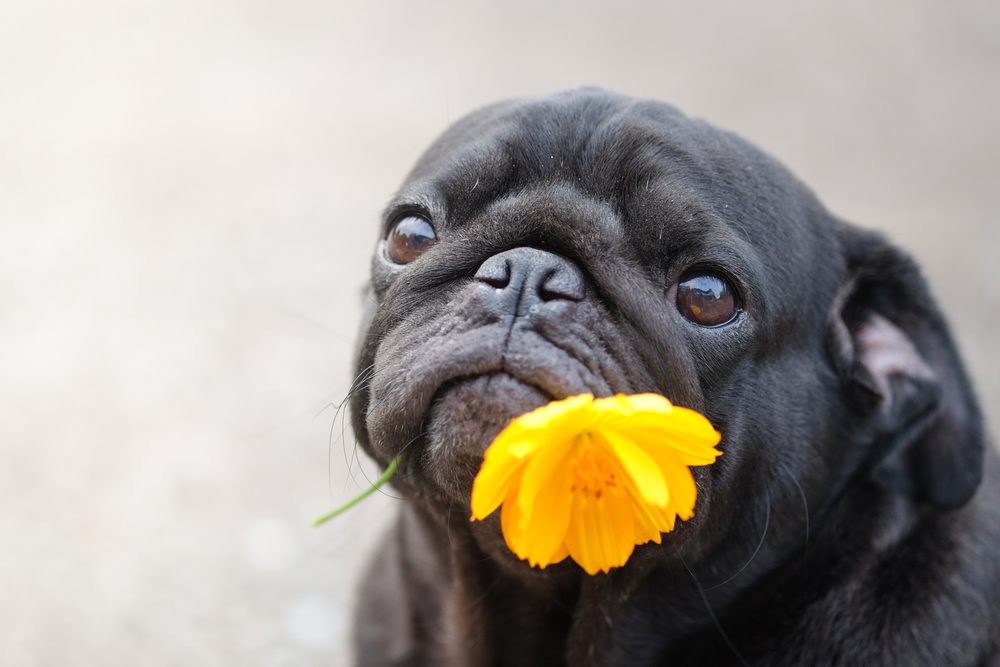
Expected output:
(592, 474)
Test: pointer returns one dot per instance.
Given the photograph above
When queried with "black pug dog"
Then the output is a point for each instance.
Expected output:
(588, 242)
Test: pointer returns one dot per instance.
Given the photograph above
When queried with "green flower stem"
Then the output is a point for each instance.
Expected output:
(379, 483)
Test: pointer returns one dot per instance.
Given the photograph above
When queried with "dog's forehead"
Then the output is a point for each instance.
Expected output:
(616, 150)
(672, 182)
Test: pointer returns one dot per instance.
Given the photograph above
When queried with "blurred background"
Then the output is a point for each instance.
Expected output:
(189, 193)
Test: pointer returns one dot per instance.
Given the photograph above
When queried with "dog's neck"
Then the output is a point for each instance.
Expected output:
(488, 613)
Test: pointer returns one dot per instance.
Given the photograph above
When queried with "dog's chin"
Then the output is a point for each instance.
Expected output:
(465, 416)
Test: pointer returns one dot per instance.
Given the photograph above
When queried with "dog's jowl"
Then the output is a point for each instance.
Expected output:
(592, 243)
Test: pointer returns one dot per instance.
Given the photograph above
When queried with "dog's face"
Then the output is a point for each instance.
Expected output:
(592, 243)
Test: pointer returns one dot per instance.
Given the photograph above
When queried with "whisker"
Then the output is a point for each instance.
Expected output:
(363, 380)
(802, 494)
(401, 452)
(767, 524)
(711, 613)
(359, 381)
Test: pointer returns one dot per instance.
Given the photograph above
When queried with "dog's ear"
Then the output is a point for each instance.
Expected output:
(904, 378)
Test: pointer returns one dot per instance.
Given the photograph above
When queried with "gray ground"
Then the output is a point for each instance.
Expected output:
(188, 195)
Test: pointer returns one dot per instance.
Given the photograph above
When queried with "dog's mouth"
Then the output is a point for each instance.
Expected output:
(421, 388)
(467, 413)
(443, 401)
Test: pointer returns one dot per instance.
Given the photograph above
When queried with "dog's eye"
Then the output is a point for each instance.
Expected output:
(410, 237)
(706, 298)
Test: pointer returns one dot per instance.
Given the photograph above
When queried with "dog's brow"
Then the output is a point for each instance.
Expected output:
(415, 198)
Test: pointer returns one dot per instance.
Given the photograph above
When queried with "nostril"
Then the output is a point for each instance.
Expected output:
(559, 284)
(495, 273)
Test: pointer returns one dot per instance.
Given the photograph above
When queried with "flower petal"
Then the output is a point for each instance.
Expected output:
(544, 502)
(560, 555)
(640, 466)
(601, 531)
(618, 408)
(557, 416)
(694, 440)
(684, 493)
(510, 521)
(646, 403)
(665, 519)
(645, 417)
(645, 527)
(651, 521)
(541, 540)
(502, 460)
(544, 531)
(542, 470)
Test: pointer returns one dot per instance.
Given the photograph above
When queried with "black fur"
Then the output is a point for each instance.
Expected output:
(854, 517)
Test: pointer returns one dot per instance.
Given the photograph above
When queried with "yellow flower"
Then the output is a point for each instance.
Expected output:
(591, 479)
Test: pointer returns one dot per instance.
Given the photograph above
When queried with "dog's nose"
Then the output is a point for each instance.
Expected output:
(525, 279)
